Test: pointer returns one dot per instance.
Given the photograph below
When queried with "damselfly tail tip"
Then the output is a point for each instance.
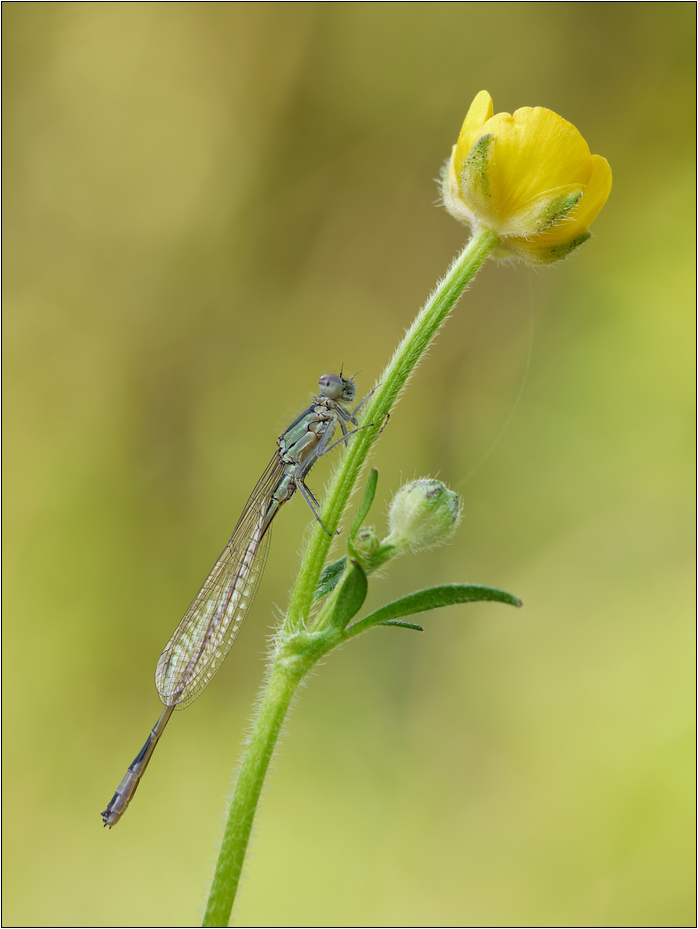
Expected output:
(109, 818)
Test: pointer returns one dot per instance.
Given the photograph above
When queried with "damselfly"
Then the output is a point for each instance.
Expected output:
(212, 623)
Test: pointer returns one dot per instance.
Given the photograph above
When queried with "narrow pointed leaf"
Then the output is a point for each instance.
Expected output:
(366, 503)
(329, 578)
(434, 597)
(397, 622)
(350, 595)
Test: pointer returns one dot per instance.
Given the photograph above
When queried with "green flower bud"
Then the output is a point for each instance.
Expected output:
(422, 514)
(366, 544)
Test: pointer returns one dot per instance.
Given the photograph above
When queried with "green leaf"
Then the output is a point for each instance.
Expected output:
(397, 622)
(350, 595)
(330, 577)
(434, 597)
(366, 503)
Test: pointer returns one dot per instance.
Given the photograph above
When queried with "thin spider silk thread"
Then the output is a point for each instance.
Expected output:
(496, 442)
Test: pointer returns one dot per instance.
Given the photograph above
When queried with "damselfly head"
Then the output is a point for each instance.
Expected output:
(336, 387)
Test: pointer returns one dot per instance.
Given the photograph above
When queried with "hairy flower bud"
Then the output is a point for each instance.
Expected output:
(366, 544)
(422, 514)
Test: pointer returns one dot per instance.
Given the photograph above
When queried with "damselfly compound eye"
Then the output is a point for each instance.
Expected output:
(331, 386)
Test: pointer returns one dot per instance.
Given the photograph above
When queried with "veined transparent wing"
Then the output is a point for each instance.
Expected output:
(206, 634)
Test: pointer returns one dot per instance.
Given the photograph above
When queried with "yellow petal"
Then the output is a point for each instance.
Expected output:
(581, 217)
(545, 213)
(480, 111)
(535, 150)
(596, 193)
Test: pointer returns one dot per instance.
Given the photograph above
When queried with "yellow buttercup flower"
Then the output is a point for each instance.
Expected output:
(529, 177)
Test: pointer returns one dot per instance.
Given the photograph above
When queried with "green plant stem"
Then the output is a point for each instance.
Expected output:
(282, 682)
(276, 698)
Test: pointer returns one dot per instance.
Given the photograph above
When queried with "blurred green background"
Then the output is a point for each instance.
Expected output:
(208, 205)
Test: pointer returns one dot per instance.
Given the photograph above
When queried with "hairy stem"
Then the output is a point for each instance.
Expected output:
(276, 698)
